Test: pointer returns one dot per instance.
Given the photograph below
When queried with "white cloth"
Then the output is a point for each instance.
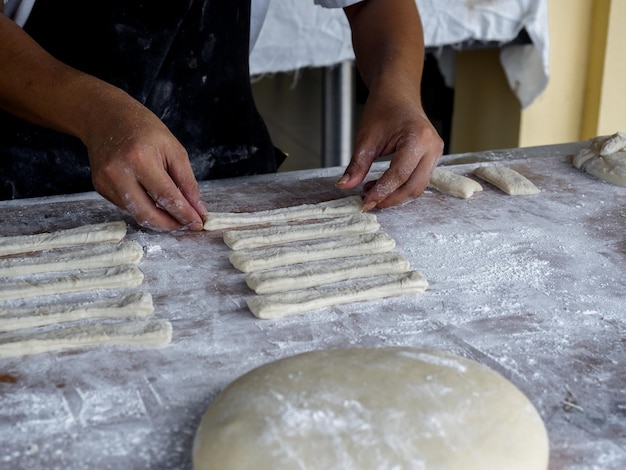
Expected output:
(297, 34)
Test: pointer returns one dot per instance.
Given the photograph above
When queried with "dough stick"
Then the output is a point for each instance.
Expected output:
(343, 206)
(139, 333)
(106, 278)
(282, 304)
(450, 183)
(134, 306)
(90, 257)
(507, 179)
(306, 275)
(266, 258)
(87, 234)
(335, 227)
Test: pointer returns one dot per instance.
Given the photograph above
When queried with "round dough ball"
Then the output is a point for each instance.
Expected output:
(386, 408)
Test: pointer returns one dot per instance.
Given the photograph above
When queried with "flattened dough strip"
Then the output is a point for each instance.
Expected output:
(447, 182)
(154, 333)
(106, 278)
(266, 258)
(90, 257)
(312, 275)
(111, 232)
(506, 179)
(272, 306)
(335, 227)
(133, 306)
(336, 207)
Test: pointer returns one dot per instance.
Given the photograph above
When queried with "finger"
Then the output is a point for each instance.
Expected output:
(142, 208)
(403, 179)
(165, 195)
(184, 179)
(412, 188)
(359, 166)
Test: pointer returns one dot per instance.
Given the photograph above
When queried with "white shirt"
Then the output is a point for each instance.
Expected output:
(18, 11)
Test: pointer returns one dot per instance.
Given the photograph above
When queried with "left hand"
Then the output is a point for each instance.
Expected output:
(393, 123)
(389, 49)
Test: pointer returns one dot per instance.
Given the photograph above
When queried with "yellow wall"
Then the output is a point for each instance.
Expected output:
(586, 92)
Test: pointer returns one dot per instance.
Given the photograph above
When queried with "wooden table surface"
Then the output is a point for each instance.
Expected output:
(531, 286)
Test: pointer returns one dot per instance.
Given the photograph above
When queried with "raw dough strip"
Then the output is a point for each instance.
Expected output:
(307, 275)
(282, 304)
(156, 333)
(507, 179)
(87, 234)
(343, 206)
(266, 258)
(90, 257)
(106, 278)
(134, 306)
(447, 182)
(335, 227)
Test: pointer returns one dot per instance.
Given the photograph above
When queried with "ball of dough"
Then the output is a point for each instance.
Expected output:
(386, 408)
(605, 158)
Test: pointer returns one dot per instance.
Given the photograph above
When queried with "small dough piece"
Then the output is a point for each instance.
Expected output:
(105, 278)
(266, 258)
(282, 304)
(89, 257)
(605, 158)
(371, 409)
(507, 179)
(156, 333)
(335, 227)
(308, 275)
(343, 206)
(134, 306)
(109, 232)
(447, 182)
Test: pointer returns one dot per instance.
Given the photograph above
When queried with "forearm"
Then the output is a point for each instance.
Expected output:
(388, 44)
(36, 87)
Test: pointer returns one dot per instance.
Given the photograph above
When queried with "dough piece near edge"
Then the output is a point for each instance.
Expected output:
(155, 333)
(282, 304)
(335, 227)
(371, 409)
(266, 258)
(343, 206)
(448, 182)
(111, 232)
(506, 179)
(106, 278)
(311, 275)
(605, 158)
(89, 257)
(132, 306)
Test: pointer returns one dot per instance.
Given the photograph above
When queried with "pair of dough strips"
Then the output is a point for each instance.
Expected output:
(109, 266)
(387, 273)
(502, 177)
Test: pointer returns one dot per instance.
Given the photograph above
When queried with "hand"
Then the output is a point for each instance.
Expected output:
(393, 123)
(137, 164)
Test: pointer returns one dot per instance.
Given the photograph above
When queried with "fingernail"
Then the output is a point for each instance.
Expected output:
(368, 206)
(343, 180)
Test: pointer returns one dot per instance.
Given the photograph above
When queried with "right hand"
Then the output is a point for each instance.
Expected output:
(138, 164)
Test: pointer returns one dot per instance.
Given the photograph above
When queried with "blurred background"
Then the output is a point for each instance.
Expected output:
(498, 74)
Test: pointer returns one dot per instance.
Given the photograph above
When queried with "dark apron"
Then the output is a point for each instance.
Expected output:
(186, 60)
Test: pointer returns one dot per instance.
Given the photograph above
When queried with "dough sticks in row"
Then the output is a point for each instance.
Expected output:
(289, 262)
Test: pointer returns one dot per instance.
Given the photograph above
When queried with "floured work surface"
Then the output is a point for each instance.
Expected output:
(532, 287)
